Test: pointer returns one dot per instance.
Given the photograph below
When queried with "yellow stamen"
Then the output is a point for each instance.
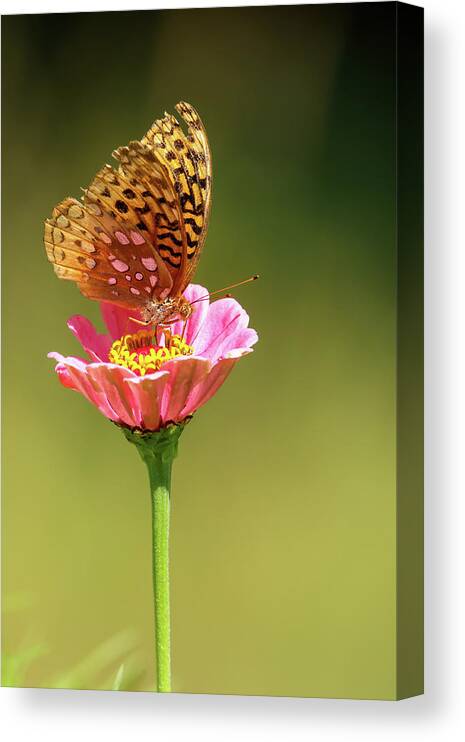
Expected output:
(142, 354)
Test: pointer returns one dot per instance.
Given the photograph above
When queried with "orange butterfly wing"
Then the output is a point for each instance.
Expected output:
(188, 161)
(109, 260)
(140, 230)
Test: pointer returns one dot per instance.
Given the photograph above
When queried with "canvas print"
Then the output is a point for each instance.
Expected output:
(213, 483)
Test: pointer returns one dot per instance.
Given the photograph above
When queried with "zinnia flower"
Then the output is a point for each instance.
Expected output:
(143, 380)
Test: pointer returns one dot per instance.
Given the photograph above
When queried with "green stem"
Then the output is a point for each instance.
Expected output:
(158, 451)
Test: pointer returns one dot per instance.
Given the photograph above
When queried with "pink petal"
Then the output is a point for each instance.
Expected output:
(78, 377)
(95, 344)
(185, 373)
(242, 338)
(225, 321)
(117, 320)
(147, 392)
(196, 291)
(59, 357)
(212, 382)
(108, 379)
(64, 376)
(199, 313)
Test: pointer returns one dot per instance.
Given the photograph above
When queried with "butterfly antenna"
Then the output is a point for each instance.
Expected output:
(225, 288)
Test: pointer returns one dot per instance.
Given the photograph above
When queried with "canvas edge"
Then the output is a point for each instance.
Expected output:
(410, 353)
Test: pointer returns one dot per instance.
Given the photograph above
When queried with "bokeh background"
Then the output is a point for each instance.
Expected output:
(283, 518)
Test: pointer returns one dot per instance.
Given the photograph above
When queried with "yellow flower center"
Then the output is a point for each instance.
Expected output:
(144, 354)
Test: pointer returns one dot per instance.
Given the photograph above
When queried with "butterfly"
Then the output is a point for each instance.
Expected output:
(136, 236)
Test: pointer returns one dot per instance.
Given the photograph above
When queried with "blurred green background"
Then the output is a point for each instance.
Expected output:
(283, 519)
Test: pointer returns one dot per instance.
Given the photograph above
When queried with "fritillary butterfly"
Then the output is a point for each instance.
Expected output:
(136, 236)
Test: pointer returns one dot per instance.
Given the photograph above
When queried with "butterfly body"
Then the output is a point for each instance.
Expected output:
(166, 311)
(136, 237)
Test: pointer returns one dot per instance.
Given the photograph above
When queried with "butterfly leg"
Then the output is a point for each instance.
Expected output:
(166, 331)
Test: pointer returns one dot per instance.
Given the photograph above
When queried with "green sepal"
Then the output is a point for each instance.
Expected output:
(162, 444)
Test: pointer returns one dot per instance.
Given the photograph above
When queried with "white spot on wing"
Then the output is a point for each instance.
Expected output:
(118, 265)
(137, 238)
(121, 237)
(149, 263)
(75, 212)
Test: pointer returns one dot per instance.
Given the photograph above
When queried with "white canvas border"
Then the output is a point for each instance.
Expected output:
(76, 715)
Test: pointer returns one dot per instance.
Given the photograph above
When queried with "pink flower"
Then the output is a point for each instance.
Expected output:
(150, 381)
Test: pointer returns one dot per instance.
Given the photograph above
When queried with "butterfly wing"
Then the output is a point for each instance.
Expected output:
(109, 260)
(140, 230)
(187, 160)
